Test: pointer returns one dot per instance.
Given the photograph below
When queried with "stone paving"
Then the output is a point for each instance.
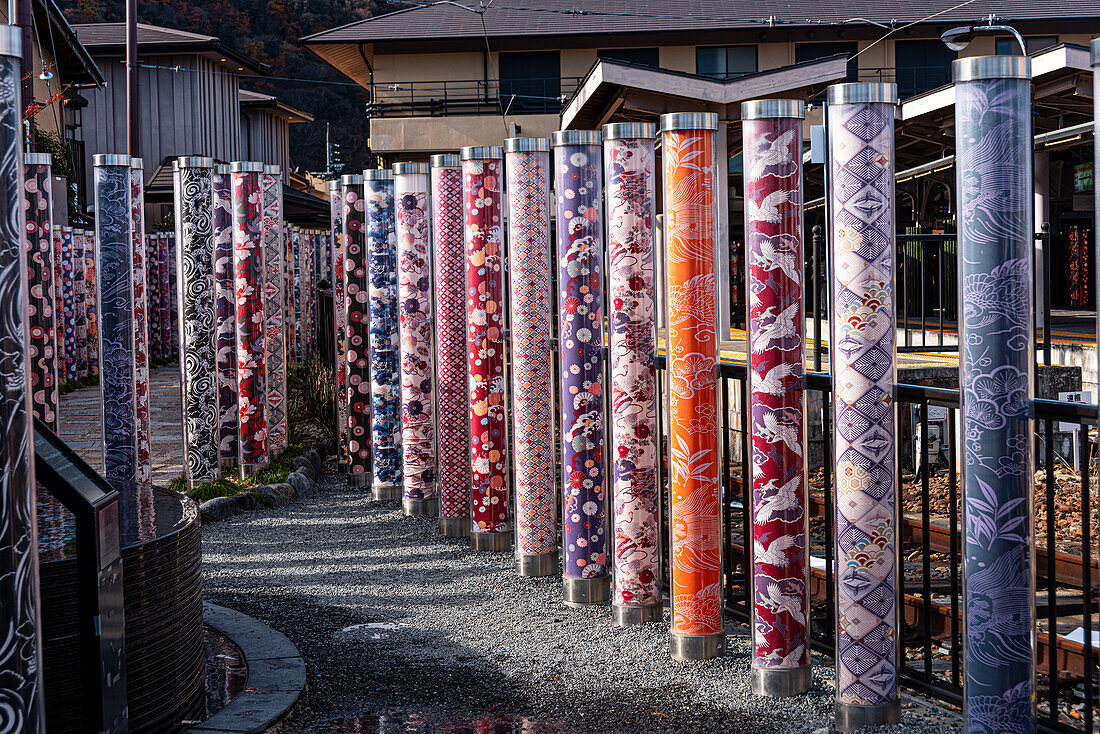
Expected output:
(80, 424)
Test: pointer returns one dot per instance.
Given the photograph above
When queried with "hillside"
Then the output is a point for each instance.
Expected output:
(268, 31)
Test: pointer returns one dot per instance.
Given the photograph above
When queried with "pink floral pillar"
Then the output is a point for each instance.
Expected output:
(336, 276)
(141, 322)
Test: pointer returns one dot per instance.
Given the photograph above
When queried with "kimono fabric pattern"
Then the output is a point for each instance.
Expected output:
(631, 217)
(37, 198)
(384, 342)
(141, 322)
(481, 189)
(68, 303)
(336, 275)
(225, 314)
(152, 297)
(414, 283)
(91, 293)
(164, 288)
(772, 132)
(452, 400)
(274, 286)
(79, 296)
(357, 321)
(695, 519)
(528, 164)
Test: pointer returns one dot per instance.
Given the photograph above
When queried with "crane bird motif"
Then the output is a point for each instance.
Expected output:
(772, 154)
(783, 326)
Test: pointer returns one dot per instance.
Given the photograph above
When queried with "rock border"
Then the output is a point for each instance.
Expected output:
(303, 480)
(276, 675)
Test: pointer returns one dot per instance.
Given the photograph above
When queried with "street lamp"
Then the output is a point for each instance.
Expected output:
(959, 38)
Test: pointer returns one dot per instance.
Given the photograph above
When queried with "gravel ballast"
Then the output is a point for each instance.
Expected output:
(404, 630)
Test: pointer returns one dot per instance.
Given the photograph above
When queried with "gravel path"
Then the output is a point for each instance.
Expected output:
(404, 630)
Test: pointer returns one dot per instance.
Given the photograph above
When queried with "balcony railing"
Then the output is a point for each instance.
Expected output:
(911, 80)
(472, 97)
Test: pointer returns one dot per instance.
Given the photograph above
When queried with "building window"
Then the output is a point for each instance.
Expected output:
(1007, 46)
(530, 82)
(921, 65)
(813, 51)
(725, 62)
(640, 56)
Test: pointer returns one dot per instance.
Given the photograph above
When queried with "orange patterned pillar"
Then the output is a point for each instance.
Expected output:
(695, 517)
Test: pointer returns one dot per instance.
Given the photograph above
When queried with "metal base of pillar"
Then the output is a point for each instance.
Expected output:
(697, 647)
(358, 480)
(228, 466)
(248, 470)
(383, 494)
(342, 467)
(537, 564)
(777, 682)
(420, 508)
(584, 592)
(629, 615)
(494, 542)
(850, 717)
(454, 527)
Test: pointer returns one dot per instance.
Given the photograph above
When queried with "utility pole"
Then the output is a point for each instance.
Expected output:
(19, 13)
(131, 79)
(328, 153)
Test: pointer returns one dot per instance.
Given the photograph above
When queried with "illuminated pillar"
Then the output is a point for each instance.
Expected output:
(21, 666)
(694, 510)
(271, 193)
(41, 317)
(335, 273)
(414, 296)
(114, 267)
(141, 322)
(225, 314)
(68, 303)
(198, 362)
(248, 278)
(79, 300)
(578, 185)
(356, 309)
(383, 346)
(481, 194)
(452, 399)
(993, 138)
(631, 218)
(860, 128)
(528, 164)
(772, 133)
(91, 300)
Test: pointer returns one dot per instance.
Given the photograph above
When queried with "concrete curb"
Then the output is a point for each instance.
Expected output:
(276, 675)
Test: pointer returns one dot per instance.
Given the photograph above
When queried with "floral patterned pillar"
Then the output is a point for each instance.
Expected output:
(42, 315)
(79, 314)
(198, 362)
(68, 303)
(336, 277)
(993, 134)
(141, 322)
(481, 183)
(114, 267)
(631, 217)
(380, 280)
(164, 288)
(248, 279)
(694, 509)
(297, 273)
(414, 298)
(59, 303)
(152, 297)
(91, 300)
(357, 330)
(173, 296)
(578, 185)
(772, 134)
(860, 128)
(271, 192)
(527, 161)
(21, 668)
(452, 399)
(225, 314)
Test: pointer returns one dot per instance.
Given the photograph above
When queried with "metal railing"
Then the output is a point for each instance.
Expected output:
(471, 97)
(911, 80)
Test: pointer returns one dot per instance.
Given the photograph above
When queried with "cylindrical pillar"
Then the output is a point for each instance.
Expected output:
(631, 218)
(141, 322)
(452, 399)
(993, 134)
(414, 297)
(528, 164)
(164, 288)
(297, 274)
(114, 266)
(248, 276)
(335, 274)
(198, 363)
(68, 303)
(21, 686)
(481, 184)
(91, 300)
(578, 185)
(59, 303)
(271, 193)
(356, 307)
(79, 313)
(152, 297)
(860, 128)
(772, 134)
(694, 509)
(384, 347)
(42, 314)
(225, 315)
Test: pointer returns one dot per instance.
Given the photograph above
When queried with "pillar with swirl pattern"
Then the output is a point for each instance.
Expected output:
(41, 318)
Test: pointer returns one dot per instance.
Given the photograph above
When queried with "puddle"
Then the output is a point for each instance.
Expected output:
(226, 670)
(401, 723)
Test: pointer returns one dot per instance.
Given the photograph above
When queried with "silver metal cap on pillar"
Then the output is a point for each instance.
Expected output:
(973, 68)
(380, 494)
(445, 160)
(481, 152)
(696, 647)
(778, 682)
(454, 527)
(630, 615)
(494, 542)
(419, 508)
(537, 565)
(585, 592)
